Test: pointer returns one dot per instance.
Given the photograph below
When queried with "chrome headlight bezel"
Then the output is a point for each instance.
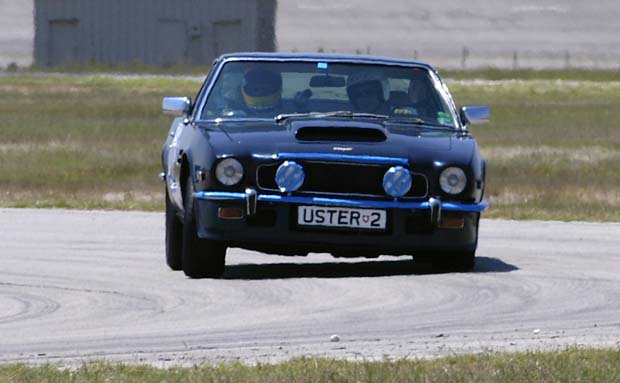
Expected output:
(453, 180)
(229, 172)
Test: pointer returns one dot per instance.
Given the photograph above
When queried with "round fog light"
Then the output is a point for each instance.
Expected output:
(290, 176)
(397, 181)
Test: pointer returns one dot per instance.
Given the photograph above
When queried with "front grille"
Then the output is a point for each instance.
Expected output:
(341, 178)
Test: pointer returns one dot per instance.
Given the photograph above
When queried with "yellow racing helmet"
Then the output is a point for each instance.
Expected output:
(261, 89)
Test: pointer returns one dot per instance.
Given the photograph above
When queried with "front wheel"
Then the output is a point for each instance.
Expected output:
(174, 236)
(202, 258)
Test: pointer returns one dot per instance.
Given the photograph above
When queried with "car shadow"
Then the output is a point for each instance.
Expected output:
(349, 270)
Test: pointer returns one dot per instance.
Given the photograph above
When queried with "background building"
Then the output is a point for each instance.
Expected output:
(154, 32)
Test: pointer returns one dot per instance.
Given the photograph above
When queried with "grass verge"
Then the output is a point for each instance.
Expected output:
(564, 366)
(185, 69)
(552, 147)
(531, 74)
(91, 141)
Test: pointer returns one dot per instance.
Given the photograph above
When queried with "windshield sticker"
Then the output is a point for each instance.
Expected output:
(444, 118)
(321, 65)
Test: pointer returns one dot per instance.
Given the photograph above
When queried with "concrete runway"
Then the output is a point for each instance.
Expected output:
(80, 285)
(16, 32)
(543, 34)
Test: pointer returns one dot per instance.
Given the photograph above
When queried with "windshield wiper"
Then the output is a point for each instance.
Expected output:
(418, 121)
(338, 113)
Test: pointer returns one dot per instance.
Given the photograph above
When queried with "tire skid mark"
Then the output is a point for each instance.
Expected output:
(118, 299)
(31, 306)
(150, 304)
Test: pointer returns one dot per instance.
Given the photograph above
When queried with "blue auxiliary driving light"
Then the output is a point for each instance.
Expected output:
(289, 176)
(397, 181)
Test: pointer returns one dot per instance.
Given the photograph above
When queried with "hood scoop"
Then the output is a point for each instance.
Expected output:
(340, 133)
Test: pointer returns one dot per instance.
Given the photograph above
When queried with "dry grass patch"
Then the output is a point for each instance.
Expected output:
(590, 155)
(554, 182)
(152, 200)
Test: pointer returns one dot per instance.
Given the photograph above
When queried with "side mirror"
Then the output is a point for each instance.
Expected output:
(176, 106)
(475, 114)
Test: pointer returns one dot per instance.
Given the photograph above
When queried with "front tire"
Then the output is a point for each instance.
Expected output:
(174, 237)
(458, 259)
(202, 258)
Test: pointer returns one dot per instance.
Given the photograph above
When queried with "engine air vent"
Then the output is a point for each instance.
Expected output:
(312, 133)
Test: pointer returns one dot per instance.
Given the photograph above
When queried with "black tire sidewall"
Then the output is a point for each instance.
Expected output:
(174, 237)
(202, 258)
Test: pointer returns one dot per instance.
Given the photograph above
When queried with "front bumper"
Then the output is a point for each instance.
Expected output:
(399, 238)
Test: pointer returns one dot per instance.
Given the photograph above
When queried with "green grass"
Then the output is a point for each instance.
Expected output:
(97, 68)
(83, 142)
(95, 142)
(566, 366)
(553, 148)
(489, 73)
(530, 74)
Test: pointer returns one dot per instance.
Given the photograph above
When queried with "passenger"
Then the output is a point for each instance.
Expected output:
(422, 97)
(368, 92)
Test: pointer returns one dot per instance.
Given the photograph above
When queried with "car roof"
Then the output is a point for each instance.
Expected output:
(330, 57)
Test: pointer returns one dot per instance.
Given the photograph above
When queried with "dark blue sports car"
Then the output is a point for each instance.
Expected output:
(298, 153)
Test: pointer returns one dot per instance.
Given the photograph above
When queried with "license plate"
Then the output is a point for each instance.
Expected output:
(341, 217)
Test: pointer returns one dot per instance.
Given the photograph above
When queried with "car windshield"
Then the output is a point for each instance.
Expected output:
(268, 89)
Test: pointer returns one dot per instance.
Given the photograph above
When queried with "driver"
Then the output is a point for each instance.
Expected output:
(368, 92)
(262, 91)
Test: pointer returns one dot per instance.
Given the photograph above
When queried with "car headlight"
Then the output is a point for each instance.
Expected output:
(229, 172)
(453, 180)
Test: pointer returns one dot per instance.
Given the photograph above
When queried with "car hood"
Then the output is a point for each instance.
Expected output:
(360, 138)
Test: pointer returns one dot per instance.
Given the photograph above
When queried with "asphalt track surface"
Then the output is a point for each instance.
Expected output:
(79, 285)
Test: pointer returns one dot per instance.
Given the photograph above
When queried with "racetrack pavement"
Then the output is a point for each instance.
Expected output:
(84, 285)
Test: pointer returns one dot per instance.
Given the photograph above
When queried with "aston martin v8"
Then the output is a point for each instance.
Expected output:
(356, 156)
